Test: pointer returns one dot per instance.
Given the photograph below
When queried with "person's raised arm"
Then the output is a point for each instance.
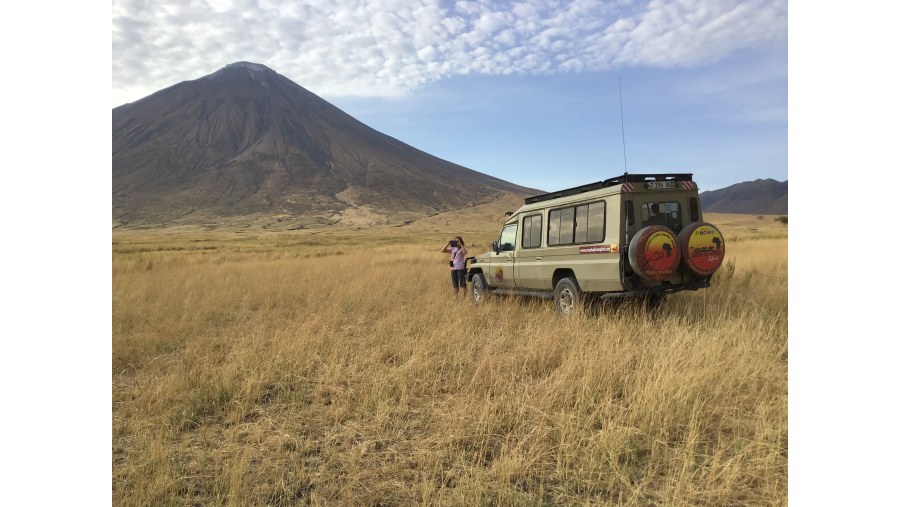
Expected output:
(446, 248)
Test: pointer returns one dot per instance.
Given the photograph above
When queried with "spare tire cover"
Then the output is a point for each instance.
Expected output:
(702, 248)
(654, 253)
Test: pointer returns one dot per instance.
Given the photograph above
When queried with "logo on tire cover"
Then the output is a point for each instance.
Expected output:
(659, 254)
(706, 248)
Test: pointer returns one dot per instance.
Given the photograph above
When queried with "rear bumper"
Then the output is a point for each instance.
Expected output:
(639, 289)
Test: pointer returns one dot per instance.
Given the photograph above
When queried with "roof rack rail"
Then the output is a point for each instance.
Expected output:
(618, 180)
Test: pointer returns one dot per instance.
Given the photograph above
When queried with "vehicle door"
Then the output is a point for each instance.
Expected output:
(529, 253)
(503, 263)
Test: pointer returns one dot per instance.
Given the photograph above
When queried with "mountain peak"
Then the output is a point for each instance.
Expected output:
(254, 70)
(252, 67)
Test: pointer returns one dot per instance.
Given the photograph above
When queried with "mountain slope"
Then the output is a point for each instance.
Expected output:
(759, 197)
(248, 144)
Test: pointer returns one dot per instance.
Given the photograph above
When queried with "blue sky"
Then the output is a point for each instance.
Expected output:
(523, 90)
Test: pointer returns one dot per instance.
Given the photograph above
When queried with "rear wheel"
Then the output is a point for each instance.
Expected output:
(567, 296)
(480, 289)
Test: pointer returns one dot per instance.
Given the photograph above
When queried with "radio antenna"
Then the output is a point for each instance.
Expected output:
(622, 117)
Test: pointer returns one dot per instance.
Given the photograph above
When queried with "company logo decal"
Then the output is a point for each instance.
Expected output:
(659, 253)
(706, 248)
(499, 274)
(614, 248)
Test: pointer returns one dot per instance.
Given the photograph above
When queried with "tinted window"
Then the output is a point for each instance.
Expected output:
(531, 231)
(596, 226)
(662, 213)
(553, 237)
(581, 224)
(566, 223)
(526, 232)
(577, 224)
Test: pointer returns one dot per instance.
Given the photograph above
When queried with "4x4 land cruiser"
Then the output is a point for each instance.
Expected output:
(635, 235)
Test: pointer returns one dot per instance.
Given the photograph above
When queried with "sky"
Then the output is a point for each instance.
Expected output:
(527, 91)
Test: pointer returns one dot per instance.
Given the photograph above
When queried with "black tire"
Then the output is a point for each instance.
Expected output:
(480, 289)
(567, 296)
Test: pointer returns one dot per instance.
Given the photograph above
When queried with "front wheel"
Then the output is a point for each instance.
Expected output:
(567, 296)
(480, 289)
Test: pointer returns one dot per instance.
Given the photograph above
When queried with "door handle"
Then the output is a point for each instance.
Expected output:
(538, 259)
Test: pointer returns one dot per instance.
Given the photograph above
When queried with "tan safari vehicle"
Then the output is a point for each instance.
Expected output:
(636, 235)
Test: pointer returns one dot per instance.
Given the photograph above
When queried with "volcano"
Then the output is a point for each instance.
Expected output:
(248, 145)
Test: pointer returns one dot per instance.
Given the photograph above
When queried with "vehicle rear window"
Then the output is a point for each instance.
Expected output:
(661, 213)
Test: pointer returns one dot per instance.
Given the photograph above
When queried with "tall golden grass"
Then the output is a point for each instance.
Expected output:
(338, 368)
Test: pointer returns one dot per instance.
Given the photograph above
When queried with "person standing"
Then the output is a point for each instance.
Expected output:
(457, 249)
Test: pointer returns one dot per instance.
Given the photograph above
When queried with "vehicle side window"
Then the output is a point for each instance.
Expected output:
(508, 238)
(581, 224)
(584, 223)
(531, 231)
(536, 230)
(553, 228)
(596, 225)
(695, 209)
(566, 225)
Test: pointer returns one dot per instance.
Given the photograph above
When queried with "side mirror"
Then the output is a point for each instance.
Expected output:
(496, 247)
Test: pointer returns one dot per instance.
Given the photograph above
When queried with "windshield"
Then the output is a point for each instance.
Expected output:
(508, 238)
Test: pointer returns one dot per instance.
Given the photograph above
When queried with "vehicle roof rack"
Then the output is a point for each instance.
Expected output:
(618, 180)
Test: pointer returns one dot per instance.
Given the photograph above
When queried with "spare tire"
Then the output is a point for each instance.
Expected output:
(653, 253)
(702, 248)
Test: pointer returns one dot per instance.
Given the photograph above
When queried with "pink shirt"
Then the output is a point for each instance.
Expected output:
(458, 258)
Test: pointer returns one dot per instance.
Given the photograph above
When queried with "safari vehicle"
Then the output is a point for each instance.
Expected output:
(636, 235)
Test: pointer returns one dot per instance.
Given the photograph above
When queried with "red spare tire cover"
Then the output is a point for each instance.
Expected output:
(654, 253)
(702, 248)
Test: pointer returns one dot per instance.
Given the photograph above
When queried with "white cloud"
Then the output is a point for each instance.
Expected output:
(390, 47)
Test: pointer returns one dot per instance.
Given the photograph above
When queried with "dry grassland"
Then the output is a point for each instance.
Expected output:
(336, 368)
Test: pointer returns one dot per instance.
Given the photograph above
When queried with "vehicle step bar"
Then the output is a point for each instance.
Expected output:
(523, 292)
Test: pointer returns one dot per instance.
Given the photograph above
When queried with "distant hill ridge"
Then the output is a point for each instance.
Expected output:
(247, 144)
(758, 197)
